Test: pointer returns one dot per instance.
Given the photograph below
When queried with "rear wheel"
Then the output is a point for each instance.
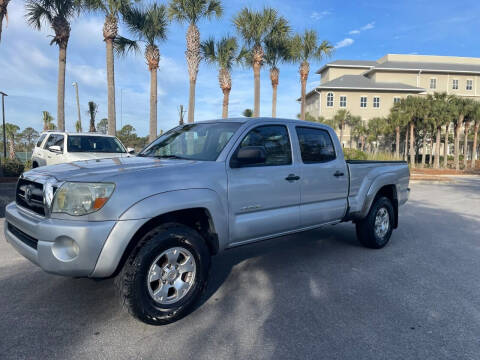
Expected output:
(165, 274)
(376, 229)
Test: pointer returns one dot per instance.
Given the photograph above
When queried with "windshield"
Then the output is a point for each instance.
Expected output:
(193, 142)
(100, 144)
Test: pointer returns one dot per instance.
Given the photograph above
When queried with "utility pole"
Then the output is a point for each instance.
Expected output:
(75, 85)
(4, 132)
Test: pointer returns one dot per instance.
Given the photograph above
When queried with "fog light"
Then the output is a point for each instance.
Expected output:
(65, 249)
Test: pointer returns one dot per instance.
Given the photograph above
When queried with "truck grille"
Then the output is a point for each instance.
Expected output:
(20, 235)
(30, 195)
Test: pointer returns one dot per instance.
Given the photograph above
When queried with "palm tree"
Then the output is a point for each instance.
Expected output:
(254, 27)
(57, 14)
(461, 108)
(102, 126)
(440, 115)
(192, 11)
(150, 26)
(11, 131)
(340, 119)
(305, 48)
(112, 9)
(3, 14)
(352, 123)
(276, 52)
(375, 129)
(476, 126)
(359, 132)
(397, 120)
(47, 121)
(223, 53)
(92, 112)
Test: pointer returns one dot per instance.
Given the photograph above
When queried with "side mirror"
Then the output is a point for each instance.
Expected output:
(130, 150)
(55, 149)
(249, 155)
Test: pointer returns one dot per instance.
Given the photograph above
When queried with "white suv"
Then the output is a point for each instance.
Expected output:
(54, 147)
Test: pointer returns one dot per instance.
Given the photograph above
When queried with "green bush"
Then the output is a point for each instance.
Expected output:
(12, 168)
(354, 154)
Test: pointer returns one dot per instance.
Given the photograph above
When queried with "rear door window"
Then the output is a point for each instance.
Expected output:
(316, 145)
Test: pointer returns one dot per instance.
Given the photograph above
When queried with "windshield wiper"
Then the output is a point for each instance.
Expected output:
(170, 157)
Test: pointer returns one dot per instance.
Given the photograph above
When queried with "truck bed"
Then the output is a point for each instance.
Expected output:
(366, 177)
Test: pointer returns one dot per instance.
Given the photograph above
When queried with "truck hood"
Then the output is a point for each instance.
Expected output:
(102, 169)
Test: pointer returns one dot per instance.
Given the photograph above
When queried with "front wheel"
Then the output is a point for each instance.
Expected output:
(165, 274)
(375, 230)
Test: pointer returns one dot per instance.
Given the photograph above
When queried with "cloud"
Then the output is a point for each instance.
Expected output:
(369, 26)
(344, 43)
(316, 15)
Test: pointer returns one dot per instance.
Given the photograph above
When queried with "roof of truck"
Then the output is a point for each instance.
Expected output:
(75, 133)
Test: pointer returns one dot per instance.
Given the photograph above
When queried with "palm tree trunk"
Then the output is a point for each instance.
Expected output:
(62, 63)
(474, 149)
(342, 125)
(412, 146)
(437, 148)
(191, 101)
(256, 79)
(274, 101)
(405, 150)
(397, 142)
(430, 159)
(112, 124)
(445, 149)
(11, 149)
(153, 105)
(226, 96)
(362, 142)
(465, 145)
(457, 142)
(424, 152)
(303, 100)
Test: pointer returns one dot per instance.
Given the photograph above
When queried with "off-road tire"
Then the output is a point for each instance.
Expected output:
(131, 282)
(366, 227)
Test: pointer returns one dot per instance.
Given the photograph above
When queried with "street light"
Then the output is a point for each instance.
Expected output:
(4, 130)
(75, 85)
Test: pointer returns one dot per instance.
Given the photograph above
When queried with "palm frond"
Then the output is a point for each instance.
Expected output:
(123, 46)
(192, 11)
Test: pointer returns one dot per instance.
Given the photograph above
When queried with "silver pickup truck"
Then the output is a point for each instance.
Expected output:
(153, 221)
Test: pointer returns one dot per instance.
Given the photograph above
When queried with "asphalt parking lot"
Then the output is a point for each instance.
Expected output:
(318, 295)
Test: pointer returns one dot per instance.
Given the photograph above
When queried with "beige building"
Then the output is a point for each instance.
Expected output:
(370, 88)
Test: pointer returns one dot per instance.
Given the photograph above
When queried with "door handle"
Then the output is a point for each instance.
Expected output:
(292, 177)
(338, 173)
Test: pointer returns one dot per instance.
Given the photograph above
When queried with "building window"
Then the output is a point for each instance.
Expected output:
(455, 84)
(433, 83)
(396, 100)
(363, 102)
(469, 85)
(330, 99)
(376, 102)
(343, 101)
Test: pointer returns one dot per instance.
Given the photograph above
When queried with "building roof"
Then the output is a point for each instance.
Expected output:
(360, 82)
(426, 67)
(362, 64)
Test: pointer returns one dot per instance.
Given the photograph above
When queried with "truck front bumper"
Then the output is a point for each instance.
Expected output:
(62, 247)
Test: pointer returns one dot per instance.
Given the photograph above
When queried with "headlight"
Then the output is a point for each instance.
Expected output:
(76, 198)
